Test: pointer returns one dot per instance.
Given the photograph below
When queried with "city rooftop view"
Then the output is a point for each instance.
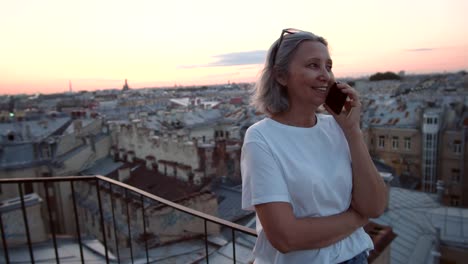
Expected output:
(122, 125)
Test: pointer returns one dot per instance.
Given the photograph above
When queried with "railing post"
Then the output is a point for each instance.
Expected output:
(78, 232)
(5, 247)
(51, 222)
(26, 225)
(144, 226)
(206, 242)
(98, 189)
(128, 224)
(115, 225)
(233, 244)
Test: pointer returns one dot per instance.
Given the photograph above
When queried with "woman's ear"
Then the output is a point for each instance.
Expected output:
(281, 77)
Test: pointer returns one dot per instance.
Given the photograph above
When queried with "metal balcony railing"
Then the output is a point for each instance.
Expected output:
(101, 183)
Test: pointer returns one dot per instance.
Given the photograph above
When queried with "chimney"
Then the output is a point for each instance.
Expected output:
(114, 153)
(150, 162)
(130, 156)
(124, 173)
(122, 154)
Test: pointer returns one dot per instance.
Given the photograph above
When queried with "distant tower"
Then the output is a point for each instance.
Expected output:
(69, 86)
(125, 87)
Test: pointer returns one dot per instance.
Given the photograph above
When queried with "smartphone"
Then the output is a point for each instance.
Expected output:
(335, 99)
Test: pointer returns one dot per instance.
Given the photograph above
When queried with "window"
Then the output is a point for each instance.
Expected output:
(395, 142)
(456, 146)
(46, 151)
(407, 143)
(455, 176)
(427, 171)
(454, 200)
(381, 141)
(429, 120)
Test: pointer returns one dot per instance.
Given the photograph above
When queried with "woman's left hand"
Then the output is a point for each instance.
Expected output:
(350, 116)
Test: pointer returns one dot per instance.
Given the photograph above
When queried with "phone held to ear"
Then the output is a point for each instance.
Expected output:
(335, 99)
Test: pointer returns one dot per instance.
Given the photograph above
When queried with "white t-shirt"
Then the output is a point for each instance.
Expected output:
(310, 168)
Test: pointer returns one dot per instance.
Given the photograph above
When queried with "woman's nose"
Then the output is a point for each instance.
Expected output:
(325, 75)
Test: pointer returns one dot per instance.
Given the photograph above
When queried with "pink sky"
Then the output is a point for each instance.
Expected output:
(98, 44)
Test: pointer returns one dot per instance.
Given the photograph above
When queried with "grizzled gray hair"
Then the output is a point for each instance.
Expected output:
(270, 97)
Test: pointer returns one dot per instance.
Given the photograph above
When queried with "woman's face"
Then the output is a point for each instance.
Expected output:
(310, 75)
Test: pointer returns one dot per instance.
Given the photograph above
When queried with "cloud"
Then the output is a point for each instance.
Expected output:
(233, 59)
(420, 49)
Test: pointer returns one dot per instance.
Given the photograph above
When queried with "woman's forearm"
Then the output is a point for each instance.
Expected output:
(369, 190)
(324, 231)
(287, 233)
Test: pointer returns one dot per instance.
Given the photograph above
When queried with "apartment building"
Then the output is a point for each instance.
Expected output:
(422, 137)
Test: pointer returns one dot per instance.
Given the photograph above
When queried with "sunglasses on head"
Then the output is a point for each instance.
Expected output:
(284, 32)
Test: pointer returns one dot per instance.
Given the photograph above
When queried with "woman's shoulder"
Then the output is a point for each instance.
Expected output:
(257, 126)
(255, 130)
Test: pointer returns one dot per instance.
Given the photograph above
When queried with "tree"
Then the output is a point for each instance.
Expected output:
(384, 76)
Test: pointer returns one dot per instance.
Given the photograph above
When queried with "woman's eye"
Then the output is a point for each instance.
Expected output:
(313, 65)
(329, 67)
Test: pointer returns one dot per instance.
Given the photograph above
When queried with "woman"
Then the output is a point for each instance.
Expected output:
(309, 177)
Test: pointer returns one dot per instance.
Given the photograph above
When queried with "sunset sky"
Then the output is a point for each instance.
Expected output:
(97, 44)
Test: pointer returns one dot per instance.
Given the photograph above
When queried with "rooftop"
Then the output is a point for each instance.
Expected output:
(417, 218)
(31, 130)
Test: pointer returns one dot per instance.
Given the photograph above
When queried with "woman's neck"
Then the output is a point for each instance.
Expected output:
(296, 118)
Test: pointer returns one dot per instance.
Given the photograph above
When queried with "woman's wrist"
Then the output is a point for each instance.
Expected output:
(353, 133)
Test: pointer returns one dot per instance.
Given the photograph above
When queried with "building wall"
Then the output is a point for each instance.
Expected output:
(15, 230)
(453, 158)
(181, 154)
(11, 190)
(409, 162)
(403, 160)
(206, 132)
(67, 143)
(84, 157)
(169, 147)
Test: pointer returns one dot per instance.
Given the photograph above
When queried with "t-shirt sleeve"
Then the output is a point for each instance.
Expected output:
(262, 179)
